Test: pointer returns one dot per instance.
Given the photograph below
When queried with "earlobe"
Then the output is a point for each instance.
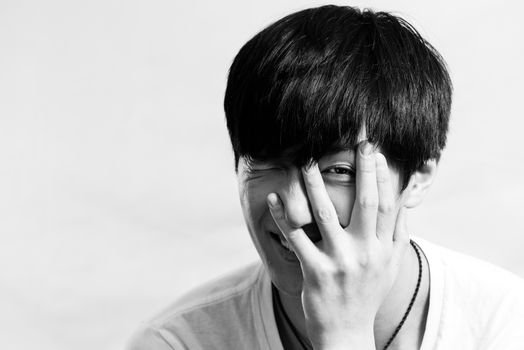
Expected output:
(419, 183)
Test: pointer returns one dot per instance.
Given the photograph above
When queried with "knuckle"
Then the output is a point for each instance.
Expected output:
(342, 276)
(324, 215)
(367, 167)
(324, 273)
(278, 214)
(382, 178)
(367, 258)
(386, 207)
(364, 260)
(291, 235)
(368, 202)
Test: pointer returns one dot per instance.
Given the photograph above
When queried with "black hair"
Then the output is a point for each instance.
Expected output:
(315, 78)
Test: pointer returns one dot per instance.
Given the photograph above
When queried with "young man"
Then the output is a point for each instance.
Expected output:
(337, 119)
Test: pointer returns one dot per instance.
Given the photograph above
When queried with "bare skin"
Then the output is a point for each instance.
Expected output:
(352, 288)
(391, 310)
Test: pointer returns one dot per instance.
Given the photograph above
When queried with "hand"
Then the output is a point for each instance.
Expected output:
(348, 274)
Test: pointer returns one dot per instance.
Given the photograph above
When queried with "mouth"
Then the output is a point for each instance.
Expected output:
(286, 249)
(281, 240)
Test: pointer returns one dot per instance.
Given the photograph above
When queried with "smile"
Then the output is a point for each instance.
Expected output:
(283, 248)
(282, 240)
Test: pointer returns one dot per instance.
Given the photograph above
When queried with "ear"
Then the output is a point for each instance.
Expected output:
(419, 184)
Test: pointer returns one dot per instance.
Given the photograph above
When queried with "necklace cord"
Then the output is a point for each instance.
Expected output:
(414, 245)
(304, 342)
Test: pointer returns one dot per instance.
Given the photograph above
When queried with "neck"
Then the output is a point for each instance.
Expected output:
(392, 309)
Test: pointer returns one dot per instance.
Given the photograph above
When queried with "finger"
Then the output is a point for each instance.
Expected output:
(386, 215)
(401, 235)
(303, 247)
(364, 215)
(323, 209)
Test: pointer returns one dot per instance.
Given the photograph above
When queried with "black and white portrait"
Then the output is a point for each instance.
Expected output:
(261, 175)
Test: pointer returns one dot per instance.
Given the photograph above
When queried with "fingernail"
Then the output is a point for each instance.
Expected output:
(381, 160)
(366, 148)
(272, 200)
(308, 168)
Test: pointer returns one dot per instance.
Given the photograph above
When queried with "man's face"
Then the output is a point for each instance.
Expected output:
(256, 179)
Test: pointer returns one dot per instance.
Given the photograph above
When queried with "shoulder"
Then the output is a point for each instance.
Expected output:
(223, 289)
(468, 273)
(207, 313)
(473, 299)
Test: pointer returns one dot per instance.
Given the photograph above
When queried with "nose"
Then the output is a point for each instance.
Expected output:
(293, 194)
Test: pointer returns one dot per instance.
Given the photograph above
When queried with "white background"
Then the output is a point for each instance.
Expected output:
(117, 189)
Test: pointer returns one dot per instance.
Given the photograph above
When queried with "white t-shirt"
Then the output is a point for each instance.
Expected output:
(473, 305)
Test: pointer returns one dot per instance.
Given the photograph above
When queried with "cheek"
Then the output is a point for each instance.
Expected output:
(343, 199)
(253, 200)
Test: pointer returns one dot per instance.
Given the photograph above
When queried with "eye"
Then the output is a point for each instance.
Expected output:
(263, 168)
(343, 173)
(257, 169)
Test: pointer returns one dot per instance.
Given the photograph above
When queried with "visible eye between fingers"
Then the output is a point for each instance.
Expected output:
(340, 173)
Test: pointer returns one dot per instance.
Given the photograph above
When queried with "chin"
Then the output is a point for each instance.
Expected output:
(283, 268)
